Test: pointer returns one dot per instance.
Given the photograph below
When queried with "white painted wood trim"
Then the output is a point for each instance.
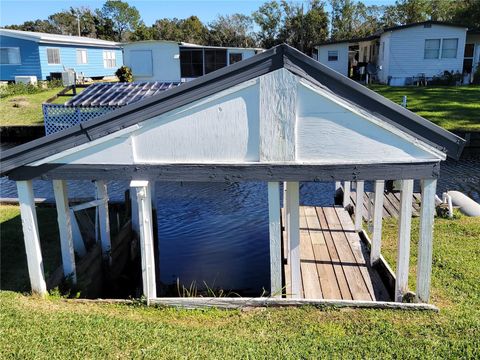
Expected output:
(377, 221)
(346, 193)
(275, 232)
(78, 243)
(368, 116)
(285, 225)
(425, 242)
(87, 205)
(103, 218)
(31, 236)
(143, 194)
(403, 249)
(235, 303)
(65, 229)
(293, 236)
(359, 193)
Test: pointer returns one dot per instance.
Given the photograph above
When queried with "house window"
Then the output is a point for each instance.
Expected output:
(333, 55)
(109, 60)
(191, 63)
(215, 59)
(53, 56)
(9, 56)
(234, 58)
(432, 48)
(82, 56)
(449, 48)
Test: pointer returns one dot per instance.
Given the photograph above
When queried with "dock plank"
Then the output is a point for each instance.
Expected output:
(337, 266)
(310, 278)
(350, 267)
(326, 272)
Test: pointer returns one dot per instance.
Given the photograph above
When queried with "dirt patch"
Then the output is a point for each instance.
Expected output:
(19, 102)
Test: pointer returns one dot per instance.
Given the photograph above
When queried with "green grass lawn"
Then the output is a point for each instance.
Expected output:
(53, 328)
(27, 109)
(453, 108)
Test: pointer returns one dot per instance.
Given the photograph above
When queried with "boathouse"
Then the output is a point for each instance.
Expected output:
(279, 117)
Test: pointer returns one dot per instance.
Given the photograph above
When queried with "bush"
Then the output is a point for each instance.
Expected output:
(26, 89)
(447, 78)
(124, 74)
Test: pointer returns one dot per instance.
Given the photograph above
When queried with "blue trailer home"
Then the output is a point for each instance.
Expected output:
(26, 53)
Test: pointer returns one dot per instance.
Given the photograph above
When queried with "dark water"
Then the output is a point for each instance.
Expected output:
(218, 233)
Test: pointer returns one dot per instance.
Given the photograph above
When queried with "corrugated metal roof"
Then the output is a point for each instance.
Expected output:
(56, 38)
(118, 94)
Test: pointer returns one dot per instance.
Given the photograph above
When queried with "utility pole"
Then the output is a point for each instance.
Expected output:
(78, 24)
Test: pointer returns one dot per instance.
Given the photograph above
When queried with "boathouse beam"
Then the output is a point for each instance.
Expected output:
(104, 220)
(31, 237)
(359, 190)
(65, 229)
(275, 234)
(143, 192)
(377, 221)
(425, 242)
(293, 236)
(403, 245)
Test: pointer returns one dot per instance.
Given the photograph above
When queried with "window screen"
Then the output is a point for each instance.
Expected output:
(449, 48)
(53, 56)
(333, 55)
(191, 63)
(432, 48)
(235, 57)
(82, 56)
(9, 56)
(215, 59)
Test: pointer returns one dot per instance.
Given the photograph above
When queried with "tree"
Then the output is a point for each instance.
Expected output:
(269, 18)
(123, 17)
(467, 13)
(193, 30)
(70, 22)
(231, 30)
(37, 26)
(167, 29)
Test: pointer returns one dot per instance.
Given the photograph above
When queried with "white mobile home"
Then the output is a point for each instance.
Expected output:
(171, 61)
(403, 54)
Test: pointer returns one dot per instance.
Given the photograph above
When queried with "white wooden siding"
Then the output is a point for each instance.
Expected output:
(341, 65)
(275, 118)
(383, 58)
(406, 55)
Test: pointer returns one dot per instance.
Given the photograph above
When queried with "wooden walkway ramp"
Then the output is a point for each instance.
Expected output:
(391, 203)
(334, 261)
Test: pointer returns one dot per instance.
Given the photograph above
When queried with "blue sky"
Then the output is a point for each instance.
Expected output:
(18, 11)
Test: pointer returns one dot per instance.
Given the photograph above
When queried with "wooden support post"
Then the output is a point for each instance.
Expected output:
(377, 222)
(346, 194)
(403, 252)
(104, 221)
(275, 239)
(78, 243)
(31, 237)
(425, 242)
(144, 202)
(359, 205)
(285, 225)
(293, 235)
(65, 229)
(134, 211)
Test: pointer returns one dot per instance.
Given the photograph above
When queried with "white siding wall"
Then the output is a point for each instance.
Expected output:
(407, 46)
(341, 65)
(384, 58)
(165, 67)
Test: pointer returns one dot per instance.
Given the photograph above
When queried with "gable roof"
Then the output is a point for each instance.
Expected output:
(58, 39)
(281, 56)
(378, 33)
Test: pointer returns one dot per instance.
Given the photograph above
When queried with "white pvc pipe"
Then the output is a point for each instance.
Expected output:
(466, 205)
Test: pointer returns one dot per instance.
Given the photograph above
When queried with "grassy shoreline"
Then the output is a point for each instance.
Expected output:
(52, 328)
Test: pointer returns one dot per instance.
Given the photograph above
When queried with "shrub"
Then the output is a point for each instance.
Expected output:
(447, 78)
(476, 76)
(26, 89)
(124, 74)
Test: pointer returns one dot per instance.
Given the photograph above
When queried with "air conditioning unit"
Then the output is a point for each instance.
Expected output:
(68, 78)
(26, 80)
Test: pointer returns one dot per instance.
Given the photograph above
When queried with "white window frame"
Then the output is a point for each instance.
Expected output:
(18, 55)
(81, 51)
(59, 56)
(109, 59)
(332, 53)
(425, 49)
(443, 49)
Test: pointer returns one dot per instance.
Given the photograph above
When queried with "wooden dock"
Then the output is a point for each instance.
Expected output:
(334, 261)
(391, 203)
